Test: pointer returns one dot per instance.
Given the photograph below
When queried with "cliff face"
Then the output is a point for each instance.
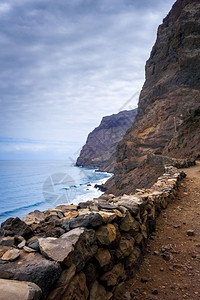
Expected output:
(168, 111)
(99, 150)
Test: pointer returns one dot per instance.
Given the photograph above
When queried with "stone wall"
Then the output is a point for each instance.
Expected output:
(85, 251)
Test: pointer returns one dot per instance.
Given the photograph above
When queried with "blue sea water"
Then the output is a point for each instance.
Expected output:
(29, 185)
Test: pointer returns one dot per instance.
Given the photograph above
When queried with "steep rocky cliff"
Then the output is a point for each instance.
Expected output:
(99, 150)
(168, 111)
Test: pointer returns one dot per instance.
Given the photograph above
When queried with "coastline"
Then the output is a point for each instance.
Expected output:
(23, 191)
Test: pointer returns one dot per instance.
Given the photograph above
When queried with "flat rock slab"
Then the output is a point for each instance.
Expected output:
(75, 246)
(19, 290)
(33, 267)
(34, 217)
(56, 249)
(11, 255)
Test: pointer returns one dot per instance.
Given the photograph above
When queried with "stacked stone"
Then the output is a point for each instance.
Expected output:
(83, 251)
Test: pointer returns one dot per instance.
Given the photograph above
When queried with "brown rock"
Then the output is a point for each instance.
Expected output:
(106, 234)
(129, 224)
(62, 284)
(103, 256)
(29, 250)
(98, 292)
(65, 208)
(125, 247)
(107, 217)
(11, 255)
(77, 289)
(116, 275)
(34, 217)
(71, 214)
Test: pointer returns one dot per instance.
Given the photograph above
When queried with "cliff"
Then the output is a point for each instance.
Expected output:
(99, 150)
(167, 122)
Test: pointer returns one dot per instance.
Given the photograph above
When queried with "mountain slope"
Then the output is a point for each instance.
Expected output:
(99, 150)
(168, 100)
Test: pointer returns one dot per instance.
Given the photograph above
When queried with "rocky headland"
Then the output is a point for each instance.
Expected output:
(100, 148)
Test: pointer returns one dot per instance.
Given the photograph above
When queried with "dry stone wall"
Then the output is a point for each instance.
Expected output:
(85, 251)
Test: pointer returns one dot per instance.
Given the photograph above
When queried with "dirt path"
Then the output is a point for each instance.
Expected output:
(171, 268)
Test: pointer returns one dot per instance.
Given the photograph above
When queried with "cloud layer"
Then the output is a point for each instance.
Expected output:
(65, 64)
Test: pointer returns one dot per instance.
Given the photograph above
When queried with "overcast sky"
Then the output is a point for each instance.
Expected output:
(65, 64)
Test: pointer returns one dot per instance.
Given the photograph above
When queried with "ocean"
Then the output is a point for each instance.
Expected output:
(29, 185)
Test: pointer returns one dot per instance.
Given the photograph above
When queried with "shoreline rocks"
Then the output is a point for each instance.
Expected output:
(91, 253)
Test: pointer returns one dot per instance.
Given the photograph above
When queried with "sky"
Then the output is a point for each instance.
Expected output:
(65, 64)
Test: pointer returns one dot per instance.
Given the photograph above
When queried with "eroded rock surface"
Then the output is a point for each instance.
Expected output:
(168, 111)
(99, 150)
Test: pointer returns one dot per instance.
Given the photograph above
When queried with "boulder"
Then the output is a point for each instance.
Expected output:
(91, 272)
(106, 234)
(65, 208)
(62, 284)
(29, 250)
(98, 292)
(133, 261)
(103, 204)
(71, 214)
(76, 246)
(77, 289)
(20, 290)
(33, 267)
(56, 249)
(91, 221)
(34, 217)
(34, 244)
(8, 241)
(129, 224)
(22, 244)
(116, 275)
(16, 227)
(126, 246)
(103, 257)
(107, 217)
(11, 255)
(55, 232)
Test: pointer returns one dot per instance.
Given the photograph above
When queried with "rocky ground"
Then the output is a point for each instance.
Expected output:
(171, 268)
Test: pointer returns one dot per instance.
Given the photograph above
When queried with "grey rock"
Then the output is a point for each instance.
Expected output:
(22, 244)
(190, 232)
(34, 245)
(16, 227)
(55, 232)
(74, 247)
(20, 290)
(34, 268)
(8, 241)
(90, 221)
(103, 204)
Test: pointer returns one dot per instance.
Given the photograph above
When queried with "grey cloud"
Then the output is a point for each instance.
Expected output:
(65, 64)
